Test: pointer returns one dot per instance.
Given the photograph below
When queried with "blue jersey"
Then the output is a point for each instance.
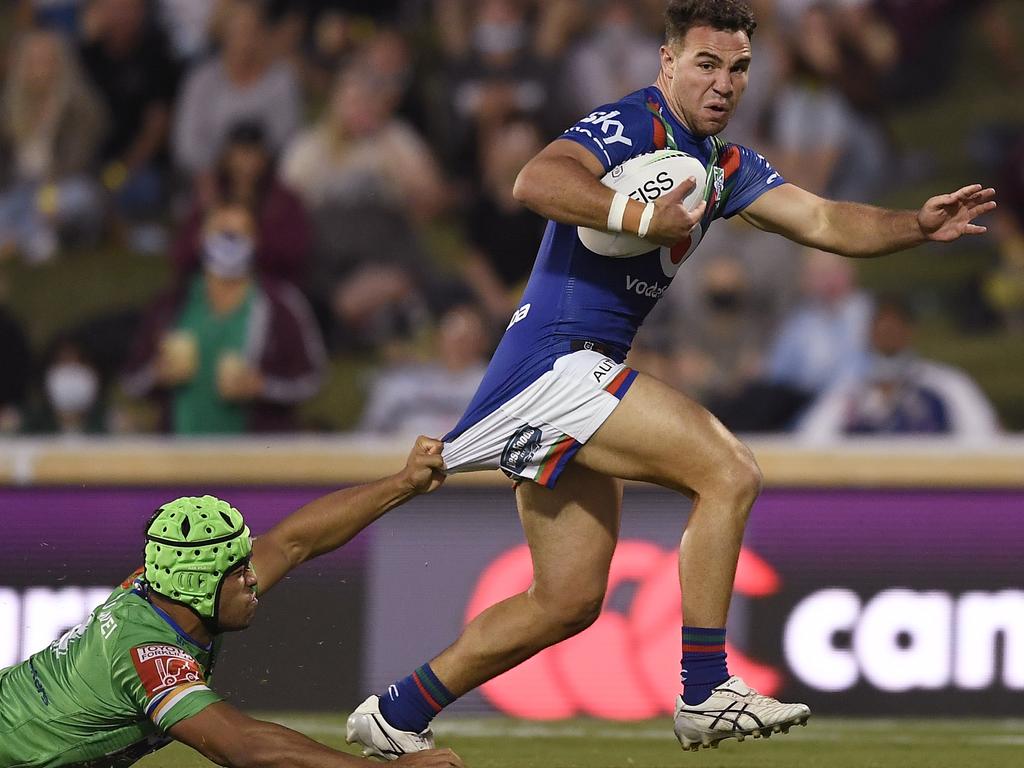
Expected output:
(576, 295)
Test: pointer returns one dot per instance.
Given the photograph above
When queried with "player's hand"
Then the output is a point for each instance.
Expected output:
(672, 223)
(424, 469)
(431, 758)
(947, 217)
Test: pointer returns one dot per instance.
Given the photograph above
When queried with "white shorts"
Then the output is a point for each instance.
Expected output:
(534, 435)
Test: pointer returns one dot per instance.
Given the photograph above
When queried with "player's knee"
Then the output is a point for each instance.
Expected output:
(574, 611)
(747, 477)
(738, 478)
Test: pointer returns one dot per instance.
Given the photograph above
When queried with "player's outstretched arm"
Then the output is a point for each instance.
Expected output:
(327, 523)
(853, 229)
(231, 738)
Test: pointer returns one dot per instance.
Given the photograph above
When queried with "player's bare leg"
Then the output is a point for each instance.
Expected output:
(572, 530)
(661, 436)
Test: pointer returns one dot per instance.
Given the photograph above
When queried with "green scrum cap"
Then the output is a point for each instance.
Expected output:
(191, 544)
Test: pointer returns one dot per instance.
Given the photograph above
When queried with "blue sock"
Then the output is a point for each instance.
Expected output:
(412, 702)
(703, 662)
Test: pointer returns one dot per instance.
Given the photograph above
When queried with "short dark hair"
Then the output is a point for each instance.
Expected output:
(728, 15)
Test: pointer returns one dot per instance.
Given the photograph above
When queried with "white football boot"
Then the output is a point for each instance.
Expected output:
(734, 710)
(367, 727)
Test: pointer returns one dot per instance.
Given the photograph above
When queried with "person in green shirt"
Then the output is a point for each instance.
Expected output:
(227, 350)
(136, 675)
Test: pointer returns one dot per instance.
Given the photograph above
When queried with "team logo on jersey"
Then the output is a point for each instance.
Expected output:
(672, 258)
(520, 449)
(718, 177)
(161, 667)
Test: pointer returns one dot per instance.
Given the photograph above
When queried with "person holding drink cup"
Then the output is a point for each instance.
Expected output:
(227, 352)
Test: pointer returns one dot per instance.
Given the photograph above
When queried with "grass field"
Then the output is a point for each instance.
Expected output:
(824, 743)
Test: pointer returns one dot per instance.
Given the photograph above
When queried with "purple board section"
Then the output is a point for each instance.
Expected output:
(856, 601)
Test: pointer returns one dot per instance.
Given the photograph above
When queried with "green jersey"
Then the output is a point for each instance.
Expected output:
(105, 693)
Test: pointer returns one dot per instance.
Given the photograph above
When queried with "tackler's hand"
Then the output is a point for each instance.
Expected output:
(424, 469)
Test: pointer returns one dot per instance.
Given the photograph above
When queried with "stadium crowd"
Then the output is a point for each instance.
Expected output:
(329, 183)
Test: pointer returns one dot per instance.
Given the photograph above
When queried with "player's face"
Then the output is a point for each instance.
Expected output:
(705, 75)
(238, 599)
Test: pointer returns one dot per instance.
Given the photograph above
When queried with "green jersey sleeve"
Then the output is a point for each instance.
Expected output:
(163, 682)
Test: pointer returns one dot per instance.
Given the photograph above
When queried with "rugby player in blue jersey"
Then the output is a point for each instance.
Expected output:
(559, 411)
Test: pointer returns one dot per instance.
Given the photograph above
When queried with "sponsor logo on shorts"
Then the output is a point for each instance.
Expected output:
(161, 667)
(520, 449)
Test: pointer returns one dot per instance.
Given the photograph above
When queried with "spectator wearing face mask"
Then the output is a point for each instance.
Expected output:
(224, 352)
(616, 56)
(246, 174)
(496, 75)
(73, 399)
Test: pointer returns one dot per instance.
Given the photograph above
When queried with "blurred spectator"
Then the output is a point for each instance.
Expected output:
(360, 150)
(497, 77)
(616, 57)
(188, 24)
(900, 393)
(59, 15)
(825, 338)
(503, 235)
(722, 349)
(429, 397)
(73, 393)
(1004, 287)
(930, 42)
(15, 362)
(224, 352)
(824, 144)
(130, 63)
(330, 42)
(369, 181)
(50, 129)
(244, 82)
(246, 175)
(822, 341)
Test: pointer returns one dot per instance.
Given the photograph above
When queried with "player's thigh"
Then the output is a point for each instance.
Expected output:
(572, 530)
(659, 435)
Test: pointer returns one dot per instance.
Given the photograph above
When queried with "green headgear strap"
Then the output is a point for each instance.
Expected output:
(191, 543)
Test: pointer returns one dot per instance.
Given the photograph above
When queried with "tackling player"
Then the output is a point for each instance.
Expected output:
(136, 675)
(560, 412)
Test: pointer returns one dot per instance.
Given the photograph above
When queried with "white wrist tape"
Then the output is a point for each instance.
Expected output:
(617, 211)
(645, 221)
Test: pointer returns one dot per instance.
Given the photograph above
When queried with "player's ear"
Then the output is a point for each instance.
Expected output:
(668, 60)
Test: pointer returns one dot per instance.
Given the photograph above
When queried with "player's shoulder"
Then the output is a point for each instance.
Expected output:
(618, 130)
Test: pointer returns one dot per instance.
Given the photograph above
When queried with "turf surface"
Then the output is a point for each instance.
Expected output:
(824, 743)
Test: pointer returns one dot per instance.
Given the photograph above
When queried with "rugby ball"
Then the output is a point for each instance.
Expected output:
(645, 178)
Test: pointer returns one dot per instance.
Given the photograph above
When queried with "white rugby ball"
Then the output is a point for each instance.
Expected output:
(645, 178)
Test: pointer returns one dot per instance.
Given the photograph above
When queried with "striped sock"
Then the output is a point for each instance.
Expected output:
(703, 662)
(412, 702)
